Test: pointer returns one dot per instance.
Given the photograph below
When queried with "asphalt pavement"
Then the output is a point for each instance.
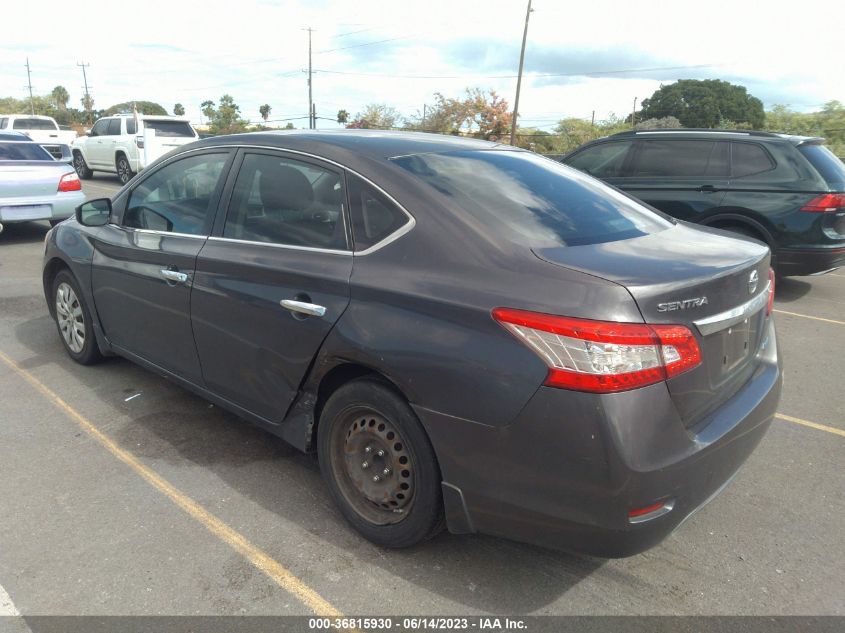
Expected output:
(124, 494)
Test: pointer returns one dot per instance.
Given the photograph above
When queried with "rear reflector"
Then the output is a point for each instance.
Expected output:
(70, 182)
(825, 202)
(771, 303)
(649, 512)
(602, 356)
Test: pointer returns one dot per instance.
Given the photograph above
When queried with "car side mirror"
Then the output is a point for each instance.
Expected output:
(94, 212)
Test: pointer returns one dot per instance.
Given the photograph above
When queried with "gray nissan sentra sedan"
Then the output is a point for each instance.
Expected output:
(468, 335)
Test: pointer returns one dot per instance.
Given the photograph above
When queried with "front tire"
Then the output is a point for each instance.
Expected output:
(379, 465)
(124, 171)
(81, 167)
(73, 320)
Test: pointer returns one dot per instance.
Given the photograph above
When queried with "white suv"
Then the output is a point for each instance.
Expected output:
(126, 144)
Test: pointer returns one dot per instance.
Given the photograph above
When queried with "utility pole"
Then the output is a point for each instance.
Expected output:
(423, 121)
(87, 94)
(519, 76)
(634, 113)
(593, 120)
(310, 92)
(29, 83)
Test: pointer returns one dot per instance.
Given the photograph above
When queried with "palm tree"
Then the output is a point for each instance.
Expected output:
(265, 111)
(60, 97)
(179, 109)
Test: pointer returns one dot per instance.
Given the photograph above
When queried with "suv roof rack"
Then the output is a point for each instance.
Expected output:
(697, 130)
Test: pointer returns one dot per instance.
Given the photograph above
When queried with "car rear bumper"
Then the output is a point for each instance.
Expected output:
(809, 261)
(566, 473)
(58, 207)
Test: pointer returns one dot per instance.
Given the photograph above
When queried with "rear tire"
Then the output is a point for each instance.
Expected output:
(379, 465)
(124, 171)
(81, 167)
(73, 320)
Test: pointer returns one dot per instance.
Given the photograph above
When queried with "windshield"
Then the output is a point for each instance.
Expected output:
(17, 150)
(170, 128)
(538, 199)
(827, 164)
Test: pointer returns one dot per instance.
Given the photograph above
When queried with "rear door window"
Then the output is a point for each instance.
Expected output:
(33, 124)
(100, 128)
(680, 159)
(530, 199)
(170, 128)
(283, 201)
(114, 127)
(748, 159)
(131, 126)
(602, 161)
(826, 163)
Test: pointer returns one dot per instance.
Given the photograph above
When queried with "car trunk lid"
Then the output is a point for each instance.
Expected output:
(696, 278)
(26, 179)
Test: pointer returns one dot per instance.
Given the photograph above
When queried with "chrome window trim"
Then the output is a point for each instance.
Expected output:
(132, 229)
(717, 322)
(402, 230)
(292, 247)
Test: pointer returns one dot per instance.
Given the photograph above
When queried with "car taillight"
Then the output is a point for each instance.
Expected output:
(602, 356)
(70, 182)
(139, 142)
(825, 202)
(771, 303)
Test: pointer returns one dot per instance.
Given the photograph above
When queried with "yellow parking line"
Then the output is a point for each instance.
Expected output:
(812, 425)
(807, 316)
(272, 568)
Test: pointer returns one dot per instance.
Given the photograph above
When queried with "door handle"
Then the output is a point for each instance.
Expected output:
(707, 189)
(311, 309)
(174, 276)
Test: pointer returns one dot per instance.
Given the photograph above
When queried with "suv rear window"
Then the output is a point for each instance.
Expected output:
(525, 195)
(33, 124)
(826, 163)
(681, 159)
(23, 151)
(170, 128)
(748, 159)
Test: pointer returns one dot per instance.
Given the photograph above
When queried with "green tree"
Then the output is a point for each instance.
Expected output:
(208, 109)
(226, 117)
(265, 111)
(60, 98)
(179, 109)
(704, 103)
(663, 123)
(342, 116)
(144, 107)
(480, 113)
(375, 115)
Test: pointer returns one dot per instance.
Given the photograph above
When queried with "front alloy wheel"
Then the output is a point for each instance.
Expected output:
(73, 320)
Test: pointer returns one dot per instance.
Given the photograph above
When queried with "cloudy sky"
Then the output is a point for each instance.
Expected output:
(581, 57)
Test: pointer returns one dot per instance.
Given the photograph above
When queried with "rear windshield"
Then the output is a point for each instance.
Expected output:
(826, 163)
(170, 128)
(33, 124)
(534, 197)
(17, 150)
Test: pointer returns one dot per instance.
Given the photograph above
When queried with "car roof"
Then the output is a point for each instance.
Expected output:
(340, 144)
(27, 116)
(710, 133)
(15, 136)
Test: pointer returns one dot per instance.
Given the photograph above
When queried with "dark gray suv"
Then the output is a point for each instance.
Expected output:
(787, 191)
(465, 333)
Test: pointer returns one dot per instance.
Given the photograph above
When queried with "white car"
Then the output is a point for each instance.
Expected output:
(34, 186)
(42, 129)
(126, 144)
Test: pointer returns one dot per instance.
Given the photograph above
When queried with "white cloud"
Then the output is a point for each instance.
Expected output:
(172, 52)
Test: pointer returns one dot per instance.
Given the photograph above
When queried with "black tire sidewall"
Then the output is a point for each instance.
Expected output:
(82, 171)
(424, 518)
(129, 172)
(90, 352)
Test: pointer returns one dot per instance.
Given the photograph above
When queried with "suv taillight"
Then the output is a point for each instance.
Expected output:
(825, 202)
(70, 182)
(139, 142)
(602, 356)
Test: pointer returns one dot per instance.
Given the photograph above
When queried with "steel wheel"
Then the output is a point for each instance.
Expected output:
(375, 467)
(70, 318)
(124, 172)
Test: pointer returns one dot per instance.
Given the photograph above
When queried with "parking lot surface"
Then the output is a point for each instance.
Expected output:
(124, 494)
